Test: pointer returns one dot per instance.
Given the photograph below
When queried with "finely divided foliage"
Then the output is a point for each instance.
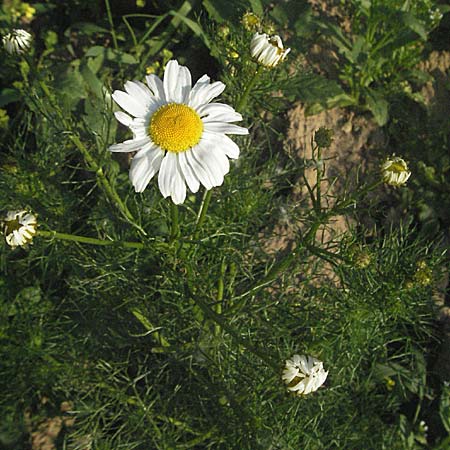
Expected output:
(187, 260)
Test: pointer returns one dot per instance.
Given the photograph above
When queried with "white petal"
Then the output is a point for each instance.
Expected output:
(144, 166)
(178, 188)
(222, 142)
(139, 92)
(204, 93)
(188, 173)
(185, 82)
(123, 118)
(221, 127)
(170, 180)
(132, 145)
(156, 86)
(129, 103)
(168, 167)
(172, 87)
(198, 170)
(218, 112)
(205, 156)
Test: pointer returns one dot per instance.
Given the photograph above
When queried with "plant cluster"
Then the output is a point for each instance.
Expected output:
(142, 177)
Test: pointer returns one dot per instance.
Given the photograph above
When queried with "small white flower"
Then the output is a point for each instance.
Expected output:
(17, 42)
(304, 374)
(19, 227)
(177, 131)
(268, 50)
(395, 172)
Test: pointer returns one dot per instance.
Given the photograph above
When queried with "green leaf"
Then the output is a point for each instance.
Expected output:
(225, 10)
(444, 407)
(194, 26)
(378, 106)
(9, 95)
(111, 55)
(257, 7)
(413, 23)
(89, 28)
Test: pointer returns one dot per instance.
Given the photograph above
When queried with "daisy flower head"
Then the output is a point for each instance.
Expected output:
(19, 227)
(17, 42)
(177, 132)
(395, 172)
(303, 374)
(268, 50)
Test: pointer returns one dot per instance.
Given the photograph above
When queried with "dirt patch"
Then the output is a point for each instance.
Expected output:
(436, 92)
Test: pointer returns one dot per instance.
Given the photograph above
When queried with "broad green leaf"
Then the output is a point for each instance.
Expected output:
(9, 95)
(257, 7)
(378, 106)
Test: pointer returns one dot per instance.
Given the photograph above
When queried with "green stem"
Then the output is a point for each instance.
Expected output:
(175, 228)
(242, 103)
(202, 213)
(222, 323)
(90, 161)
(220, 290)
(319, 172)
(89, 240)
(111, 24)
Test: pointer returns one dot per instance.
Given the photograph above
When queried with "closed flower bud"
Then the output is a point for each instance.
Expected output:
(17, 42)
(19, 228)
(268, 50)
(395, 172)
(251, 21)
(303, 374)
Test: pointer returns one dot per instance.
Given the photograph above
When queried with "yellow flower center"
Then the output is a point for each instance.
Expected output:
(397, 167)
(9, 226)
(175, 127)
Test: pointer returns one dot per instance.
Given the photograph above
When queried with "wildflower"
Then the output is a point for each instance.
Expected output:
(177, 131)
(223, 31)
(251, 21)
(268, 50)
(323, 137)
(390, 383)
(395, 171)
(233, 54)
(19, 227)
(153, 68)
(17, 42)
(304, 374)
(423, 275)
(362, 259)
(28, 11)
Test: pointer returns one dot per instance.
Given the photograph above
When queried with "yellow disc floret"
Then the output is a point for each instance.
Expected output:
(175, 127)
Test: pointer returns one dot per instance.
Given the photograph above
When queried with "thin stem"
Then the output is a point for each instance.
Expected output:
(111, 24)
(90, 161)
(319, 172)
(175, 228)
(242, 103)
(89, 240)
(222, 323)
(220, 289)
(106, 185)
(202, 213)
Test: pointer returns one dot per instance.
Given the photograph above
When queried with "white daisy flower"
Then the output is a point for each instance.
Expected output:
(177, 131)
(394, 171)
(19, 227)
(304, 374)
(17, 42)
(268, 50)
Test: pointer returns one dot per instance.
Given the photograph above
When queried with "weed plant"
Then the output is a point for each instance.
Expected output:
(134, 322)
